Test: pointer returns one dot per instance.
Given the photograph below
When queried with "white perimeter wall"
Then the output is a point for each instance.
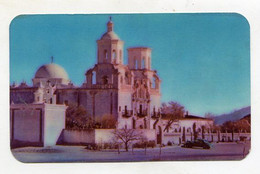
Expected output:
(54, 123)
(78, 136)
(100, 135)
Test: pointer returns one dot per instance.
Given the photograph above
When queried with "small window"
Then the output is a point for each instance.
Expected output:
(114, 56)
(105, 54)
(153, 82)
(140, 109)
(94, 77)
(134, 123)
(143, 63)
(136, 64)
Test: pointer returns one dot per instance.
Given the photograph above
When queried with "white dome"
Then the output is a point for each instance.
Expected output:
(110, 36)
(51, 71)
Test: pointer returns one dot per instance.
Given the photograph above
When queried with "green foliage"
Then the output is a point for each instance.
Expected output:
(172, 110)
(236, 126)
(77, 118)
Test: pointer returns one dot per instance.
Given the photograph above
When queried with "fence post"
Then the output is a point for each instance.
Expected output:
(118, 150)
(160, 151)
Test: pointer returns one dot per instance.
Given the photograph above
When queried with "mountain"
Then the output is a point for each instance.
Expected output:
(233, 116)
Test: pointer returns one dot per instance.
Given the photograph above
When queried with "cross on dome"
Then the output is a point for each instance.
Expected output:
(110, 25)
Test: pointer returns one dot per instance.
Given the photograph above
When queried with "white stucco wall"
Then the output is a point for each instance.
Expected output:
(54, 123)
(104, 136)
(26, 123)
(77, 136)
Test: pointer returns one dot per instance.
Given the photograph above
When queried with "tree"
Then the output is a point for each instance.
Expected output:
(127, 135)
(172, 110)
(76, 116)
(195, 133)
(228, 126)
(203, 131)
(243, 125)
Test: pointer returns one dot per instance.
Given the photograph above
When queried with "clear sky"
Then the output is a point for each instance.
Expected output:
(203, 60)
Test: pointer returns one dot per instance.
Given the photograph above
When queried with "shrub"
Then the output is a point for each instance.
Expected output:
(151, 144)
(139, 145)
(110, 146)
(93, 146)
(169, 143)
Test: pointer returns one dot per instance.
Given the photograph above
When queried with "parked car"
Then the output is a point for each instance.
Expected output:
(198, 143)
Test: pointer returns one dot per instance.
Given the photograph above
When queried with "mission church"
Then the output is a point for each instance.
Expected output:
(130, 93)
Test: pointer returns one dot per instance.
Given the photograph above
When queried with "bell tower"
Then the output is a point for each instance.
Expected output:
(110, 47)
(139, 58)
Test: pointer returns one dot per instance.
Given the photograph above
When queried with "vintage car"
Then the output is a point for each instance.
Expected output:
(198, 143)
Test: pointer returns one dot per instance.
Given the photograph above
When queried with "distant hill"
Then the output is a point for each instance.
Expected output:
(233, 116)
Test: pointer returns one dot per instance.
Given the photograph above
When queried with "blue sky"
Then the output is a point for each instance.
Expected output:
(203, 60)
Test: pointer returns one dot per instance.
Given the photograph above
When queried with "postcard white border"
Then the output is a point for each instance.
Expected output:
(11, 8)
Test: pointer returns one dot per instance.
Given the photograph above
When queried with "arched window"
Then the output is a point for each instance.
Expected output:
(143, 63)
(127, 78)
(153, 82)
(94, 78)
(136, 64)
(114, 56)
(106, 55)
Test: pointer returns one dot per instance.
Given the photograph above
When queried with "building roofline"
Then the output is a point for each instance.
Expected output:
(141, 48)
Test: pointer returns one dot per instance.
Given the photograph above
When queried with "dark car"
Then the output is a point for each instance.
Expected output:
(198, 143)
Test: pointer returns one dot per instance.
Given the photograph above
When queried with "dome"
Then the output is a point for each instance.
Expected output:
(51, 71)
(110, 36)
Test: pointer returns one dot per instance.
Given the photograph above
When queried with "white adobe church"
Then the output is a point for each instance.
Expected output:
(131, 93)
